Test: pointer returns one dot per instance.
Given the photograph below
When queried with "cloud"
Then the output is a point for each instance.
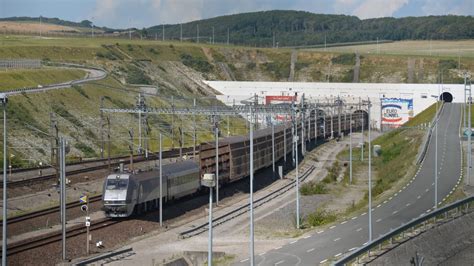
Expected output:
(378, 8)
(105, 9)
(444, 7)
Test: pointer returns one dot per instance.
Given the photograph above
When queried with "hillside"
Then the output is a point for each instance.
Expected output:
(296, 28)
(85, 24)
(172, 73)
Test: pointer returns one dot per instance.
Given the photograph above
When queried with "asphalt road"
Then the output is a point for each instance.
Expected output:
(92, 75)
(412, 201)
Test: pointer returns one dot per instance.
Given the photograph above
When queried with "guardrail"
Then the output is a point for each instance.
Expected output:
(426, 141)
(462, 207)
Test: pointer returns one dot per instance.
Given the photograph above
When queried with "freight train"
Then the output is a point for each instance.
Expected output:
(127, 192)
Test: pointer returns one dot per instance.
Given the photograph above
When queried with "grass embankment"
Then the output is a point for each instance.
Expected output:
(16, 79)
(396, 161)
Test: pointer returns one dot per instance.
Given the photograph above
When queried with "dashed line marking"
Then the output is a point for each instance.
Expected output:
(353, 218)
(390, 198)
(332, 227)
(378, 220)
(365, 243)
(385, 202)
(323, 261)
(363, 214)
(352, 249)
(309, 250)
(360, 229)
(419, 197)
(244, 260)
(261, 254)
(394, 212)
(278, 248)
(378, 206)
(396, 194)
(428, 210)
(293, 242)
(280, 262)
(344, 222)
(337, 239)
(426, 190)
(319, 232)
(338, 254)
(408, 204)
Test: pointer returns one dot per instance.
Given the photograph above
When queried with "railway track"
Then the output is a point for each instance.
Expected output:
(245, 208)
(103, 165)
(36, 214)
(57, 236)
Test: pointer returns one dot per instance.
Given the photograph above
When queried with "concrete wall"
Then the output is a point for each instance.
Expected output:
(236, 91)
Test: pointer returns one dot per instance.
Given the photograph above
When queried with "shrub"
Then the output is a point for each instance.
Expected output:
(344, 59)
(313, 188)
(333, 173)
(320, 217)
(195, 63)
(137, 76)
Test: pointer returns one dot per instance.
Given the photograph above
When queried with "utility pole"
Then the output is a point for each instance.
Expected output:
(54, 144)
(194, 130)
(363, 144)
(172, 122)
(297, 174)
(62, 167)
(350, 147)
(212, 35)
(228, 36)
(370, 176)
(216, 129)
(4, 100)
(197, 30)
(41, 30)
(101, 128)
(108, 143)
(163, 32)
(161, 181)
(273, 148)
(130, 132)
(302, 113)
(252, 259)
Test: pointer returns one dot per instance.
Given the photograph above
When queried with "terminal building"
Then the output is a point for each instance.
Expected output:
(392, 104)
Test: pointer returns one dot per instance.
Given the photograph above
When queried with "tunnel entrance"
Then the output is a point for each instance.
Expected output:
(446, 97)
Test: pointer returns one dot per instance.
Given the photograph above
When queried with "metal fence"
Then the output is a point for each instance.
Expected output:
(20, 63)
(394, 238)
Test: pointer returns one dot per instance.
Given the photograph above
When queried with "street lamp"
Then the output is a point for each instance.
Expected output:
(436, 152)
(4, 100)
(209, 181)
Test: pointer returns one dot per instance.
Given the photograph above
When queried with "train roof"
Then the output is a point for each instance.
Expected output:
(169, 170)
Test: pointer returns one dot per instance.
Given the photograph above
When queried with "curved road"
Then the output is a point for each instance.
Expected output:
(413, 200)
(92, 75)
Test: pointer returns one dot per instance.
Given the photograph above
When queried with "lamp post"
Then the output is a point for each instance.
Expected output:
(350, 146)
(436, 153)
(4, 100)
(209, 181)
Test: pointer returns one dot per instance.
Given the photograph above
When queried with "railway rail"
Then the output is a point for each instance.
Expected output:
(245, 208)
(41, 178)
(53, 237)
(36, 214)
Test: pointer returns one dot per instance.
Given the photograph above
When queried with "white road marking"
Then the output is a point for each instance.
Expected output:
(426, 190)
(337, 239)
(307, 237)
(338, 254)
(363, 214)
(353, 218)
(365, 243)
(319, 232)
(294, 242)
(323, 261)
(360, 229)
(280, 262)
(400, 191)
(390, 198)
(419, 197)
(432, 184)
(378, 220)
(261, 254)
(344, 222)
(332, 227)
(378, 206)
(385, 202)
(396, 194)
(428, 210)
(408, 204)
(244, 260)
(394, 212)
(278, 247)
(309, 250)
(352, 249)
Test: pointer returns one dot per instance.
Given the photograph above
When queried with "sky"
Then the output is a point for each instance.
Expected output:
(146, 13)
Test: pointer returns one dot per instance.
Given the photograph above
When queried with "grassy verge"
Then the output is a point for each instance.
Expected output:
(16, 79)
